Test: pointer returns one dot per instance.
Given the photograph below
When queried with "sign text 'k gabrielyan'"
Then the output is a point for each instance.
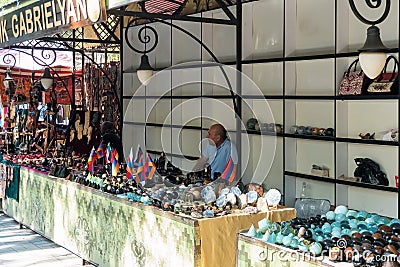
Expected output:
(44, 18)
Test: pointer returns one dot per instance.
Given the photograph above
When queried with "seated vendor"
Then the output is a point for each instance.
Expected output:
(217, 152)
(108, 135)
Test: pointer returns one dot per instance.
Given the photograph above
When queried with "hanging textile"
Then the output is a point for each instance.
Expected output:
(102, 89)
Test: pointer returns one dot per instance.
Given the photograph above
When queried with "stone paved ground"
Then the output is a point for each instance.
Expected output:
(23, 247)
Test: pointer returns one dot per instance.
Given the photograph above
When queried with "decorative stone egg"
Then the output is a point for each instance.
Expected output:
(340, 217)
(326, 228)
(351, 213)
(330, 215)
(341, 210)
(361, 215)
(301, 232)
(315, 248)
(369, 220)
(393, 221)
(345, 232)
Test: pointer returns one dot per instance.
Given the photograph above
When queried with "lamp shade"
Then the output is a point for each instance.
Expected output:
(373, 53)
(145, 71)
(372, 63)
(47, 79)
(7, 80)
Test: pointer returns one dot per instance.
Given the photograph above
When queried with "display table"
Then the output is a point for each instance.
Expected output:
(256, 253)
(110, 231)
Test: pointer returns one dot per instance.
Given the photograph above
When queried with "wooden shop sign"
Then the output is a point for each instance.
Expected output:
(47, 17)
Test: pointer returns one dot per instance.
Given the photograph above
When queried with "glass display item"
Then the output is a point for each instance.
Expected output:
(308, 207)
(304, 191)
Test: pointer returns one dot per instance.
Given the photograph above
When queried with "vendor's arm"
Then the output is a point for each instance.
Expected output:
(200, 164)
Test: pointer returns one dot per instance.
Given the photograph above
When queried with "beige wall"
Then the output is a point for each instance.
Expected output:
(310, 28)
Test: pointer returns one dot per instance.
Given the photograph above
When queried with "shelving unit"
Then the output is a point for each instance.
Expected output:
(351, 114)
(296, 52)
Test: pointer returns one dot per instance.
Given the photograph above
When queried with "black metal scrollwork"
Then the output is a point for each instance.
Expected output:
(9, 60)
(371, 4)
(144, 37)
(47, 56)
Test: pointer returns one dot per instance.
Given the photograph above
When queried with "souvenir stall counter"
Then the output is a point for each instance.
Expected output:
(111, 231)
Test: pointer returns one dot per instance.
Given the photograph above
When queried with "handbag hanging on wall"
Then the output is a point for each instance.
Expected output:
(353, 81)
(386, 83)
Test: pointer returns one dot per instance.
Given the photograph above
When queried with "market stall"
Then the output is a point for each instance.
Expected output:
(111, 231)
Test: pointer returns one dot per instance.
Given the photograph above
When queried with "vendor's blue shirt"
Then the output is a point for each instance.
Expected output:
(219, 157)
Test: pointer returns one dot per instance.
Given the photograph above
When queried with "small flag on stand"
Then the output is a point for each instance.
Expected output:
(150, 167)
(138, 156)
(140, 174)
(92, 160)
(100, 151)
(229, 172)
(129, 166)
(114, 163)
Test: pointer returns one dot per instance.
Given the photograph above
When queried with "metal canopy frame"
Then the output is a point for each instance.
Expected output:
(107, 38)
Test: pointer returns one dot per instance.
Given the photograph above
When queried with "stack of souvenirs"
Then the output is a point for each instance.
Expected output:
(342, 235)
(163, 185)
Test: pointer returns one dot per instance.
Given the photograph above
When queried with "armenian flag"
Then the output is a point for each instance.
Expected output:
(229, 172)
(140, 174)
(150, 167)
(92, 160)
(129, 166)
(114, 163)
(100, 151)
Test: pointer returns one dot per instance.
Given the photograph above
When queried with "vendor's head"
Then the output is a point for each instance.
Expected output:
(216, 134)
(107, 127)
